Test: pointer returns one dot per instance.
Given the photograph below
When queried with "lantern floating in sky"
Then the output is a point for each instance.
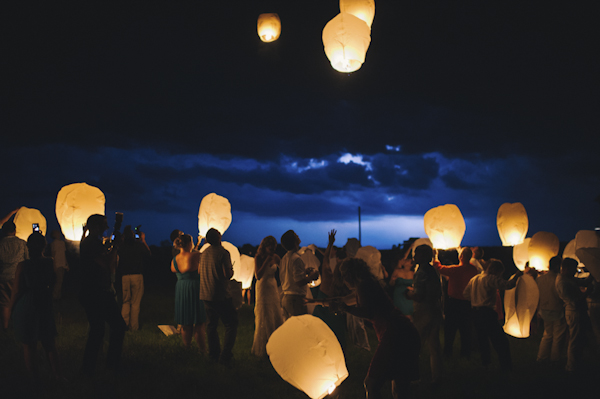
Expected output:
(346, 39)
(74, 204)
(246, 271)
(214, 212)
(25, 219)
(445, 226)
(512, 223)
(363, 9)
(268, 27)
(542, 247)
(521, 254)
(520, 304)
(306, 353)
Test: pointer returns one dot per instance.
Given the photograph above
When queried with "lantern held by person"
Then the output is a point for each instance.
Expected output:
(214, 212)
(346, 39)
(520, 304)
(74, 204)
(542, 247)
(234, 253)
(310, 260)
(372, 258)
(512, 223)
(247, 271)
(29, 220)
(363, 9)
(521, 254)
(268, 27)
(306, 353)
(445, 226)
(590, 257)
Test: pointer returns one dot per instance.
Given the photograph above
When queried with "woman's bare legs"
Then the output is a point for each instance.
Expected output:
(200, 336)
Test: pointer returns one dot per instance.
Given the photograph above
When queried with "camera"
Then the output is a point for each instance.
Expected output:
(36, 227)
(136, 232)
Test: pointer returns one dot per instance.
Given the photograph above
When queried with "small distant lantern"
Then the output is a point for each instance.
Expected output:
(74, 204)
(306, 353)
(26, 219)
(236, 262)
(521, 254)
(214, 212)
(520, 304)
(363, 9)
(512, 223)
(372, 258)
(268, 27)
(246, 273)
(542, 247)
(346, 39)
(445, 226)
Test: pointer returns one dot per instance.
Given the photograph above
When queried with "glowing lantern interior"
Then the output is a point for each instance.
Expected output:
(24, 220)
(74, 204)
(363, 9)
(346, 39)
(372, 258)
(445, 226)
(214, 212)
(268, 27)
(591, 258)
(520, 304)
(512, 223)
(521, 254)
(310, 260)
(542, 247)
(306, 353)
(247, 271)
(234, 253)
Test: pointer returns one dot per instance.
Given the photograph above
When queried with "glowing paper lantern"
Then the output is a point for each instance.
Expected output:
(372, 258)
(445, 226)
(591, 258)
(247, 271)
(542, 247)
(512, 223)
(520, 304)
(346, 39)
(310, 260)
(234, 253)
(587, 239)
(521, 254)
(24, 220)
(268, 27)
(215, 213)
(74, 204)
(306, 353)
(363, 9)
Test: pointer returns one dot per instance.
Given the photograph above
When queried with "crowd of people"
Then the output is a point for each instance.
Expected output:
(407, 310)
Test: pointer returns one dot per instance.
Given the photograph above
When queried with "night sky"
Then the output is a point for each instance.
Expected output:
(159, 103)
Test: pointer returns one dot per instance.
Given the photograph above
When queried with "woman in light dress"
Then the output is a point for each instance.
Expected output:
(267, 309)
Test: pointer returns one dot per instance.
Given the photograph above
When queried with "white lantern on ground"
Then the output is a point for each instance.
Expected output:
(346, 39)
(512, 223)
(234, 253)
(363, 9)
(214, 213)
(247, 271)
(521, 254)
(74, 204)
(445, 226)
(520, 304)
(306, 353)
(542, 247)
(372, 258)
(24, 220)
(268, 27)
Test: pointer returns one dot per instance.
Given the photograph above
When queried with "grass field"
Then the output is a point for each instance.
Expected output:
(158, 366)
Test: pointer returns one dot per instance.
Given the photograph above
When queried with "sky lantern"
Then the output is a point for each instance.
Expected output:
(268, 27)
(246, 273)
(306, 353)
(74, 204)
(372, 258)
(310, 260)
(512, 223)
(520, 304)
(542, 247)
(214, 212)
(346, 39)
(521, 254)
(363, 9)
(445, 226)
(25, 219)
(590, 257)
(587, 239)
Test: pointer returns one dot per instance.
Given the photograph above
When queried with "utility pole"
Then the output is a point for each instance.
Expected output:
(359, 228)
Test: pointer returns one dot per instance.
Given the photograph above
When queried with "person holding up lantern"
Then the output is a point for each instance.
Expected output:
(551, 310)
(12, 251)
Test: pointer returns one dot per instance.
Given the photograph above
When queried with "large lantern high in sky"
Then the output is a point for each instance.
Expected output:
(520, 304)
(25, 219)
(363, 9)
(268, 27)
(306, 353)
(214, 212)
(74, 204)
(521, 254)
(445, 226)
(542, 247)
(346, 39)
(512, 223)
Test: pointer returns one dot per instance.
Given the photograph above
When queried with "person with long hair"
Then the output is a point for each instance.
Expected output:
(267, 309)
(189, 309)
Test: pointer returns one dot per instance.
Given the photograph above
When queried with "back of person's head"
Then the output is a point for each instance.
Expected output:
(478, 253)
(288, 240)
(9, 228)
(569, 266)
(355, 270)
(36, 243)
(424, 252)
(269, 242)
(96, 222)
(466, 254)
(174, 234)
(554, 264)
(213, 237)
(56, 235)
(495, 267)
(183, 241)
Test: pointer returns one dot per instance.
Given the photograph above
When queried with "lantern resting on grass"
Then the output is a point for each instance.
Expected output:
(520, 304)
(25, 219)
(74, 204)
(512, 223)
(445, 226)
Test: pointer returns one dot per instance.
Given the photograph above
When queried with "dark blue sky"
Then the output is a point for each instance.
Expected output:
(160, 103)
